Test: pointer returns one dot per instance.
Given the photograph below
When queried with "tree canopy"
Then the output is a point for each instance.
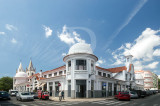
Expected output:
(158, 83)
(6, 83)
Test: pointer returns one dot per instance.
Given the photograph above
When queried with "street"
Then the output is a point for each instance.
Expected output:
(152, 100)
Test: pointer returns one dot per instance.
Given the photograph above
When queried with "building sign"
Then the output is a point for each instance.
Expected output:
(104, 84)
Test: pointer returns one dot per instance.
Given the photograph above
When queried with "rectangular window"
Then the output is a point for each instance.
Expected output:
(81, 65)
(64, 71)
(55, 74)
(50, 75)
(99, 73)
(108, 75)
(104, 74)
(69, 65)
(60, 73)
(45, 76)
(92, 66)
(126, 77)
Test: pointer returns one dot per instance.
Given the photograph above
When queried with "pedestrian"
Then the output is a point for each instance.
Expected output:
(62, 94)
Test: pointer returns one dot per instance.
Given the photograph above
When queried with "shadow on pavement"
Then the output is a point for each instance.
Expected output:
(4, 102)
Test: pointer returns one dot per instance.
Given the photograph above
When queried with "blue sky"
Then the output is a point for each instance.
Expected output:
(45, 30)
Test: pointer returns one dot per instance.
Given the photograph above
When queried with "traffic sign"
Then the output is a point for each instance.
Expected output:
(59, 84)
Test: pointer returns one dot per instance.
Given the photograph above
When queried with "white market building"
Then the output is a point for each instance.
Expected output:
(79, 77)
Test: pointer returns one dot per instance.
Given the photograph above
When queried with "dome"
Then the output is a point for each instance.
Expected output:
(138, 76)
(80, 48)
(21, 74)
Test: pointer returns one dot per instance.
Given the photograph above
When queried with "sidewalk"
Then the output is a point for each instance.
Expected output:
(81, 99)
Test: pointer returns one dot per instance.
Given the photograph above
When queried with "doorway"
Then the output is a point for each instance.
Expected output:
(56, 89)
(80, 88)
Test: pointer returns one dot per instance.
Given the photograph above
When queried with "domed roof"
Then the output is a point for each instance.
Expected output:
(21, 74)
(80, 48)
(138, 76)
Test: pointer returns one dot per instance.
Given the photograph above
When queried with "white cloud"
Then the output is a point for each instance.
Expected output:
(48, 31)
(2, 33)
(100, 62)
(156, 52)
(11, 27)
(159, 76)
(152, 65)
(14, 40)
(69, 37)
(142, 49)
(77, 37)
(138, 65)
(128, 45)
(145, 44)
(64, 54)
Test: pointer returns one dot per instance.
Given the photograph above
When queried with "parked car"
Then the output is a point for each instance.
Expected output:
(13, 92)
(140, 93)
(43, 95)
(24, 96)
(143, 94)
(4, 95)
(35, 95)
(123, 96)
(133, 94)
(149, 92)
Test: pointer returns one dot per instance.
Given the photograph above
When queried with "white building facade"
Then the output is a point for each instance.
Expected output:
(79, 77)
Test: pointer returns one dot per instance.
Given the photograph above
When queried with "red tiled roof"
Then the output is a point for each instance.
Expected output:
(116, 69)
(113, 70)
(59, 68)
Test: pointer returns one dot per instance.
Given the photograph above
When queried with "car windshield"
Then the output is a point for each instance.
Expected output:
(3, 93)
(14, 91)
(33, 93)
(133, 92)
(125, 93)
(45, 93)
(25, 93)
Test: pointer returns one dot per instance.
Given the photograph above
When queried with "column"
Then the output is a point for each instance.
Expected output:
(53, 91)
(48, 86)
(106, 89)
(112, 88)
(73, 83)
(88, 82)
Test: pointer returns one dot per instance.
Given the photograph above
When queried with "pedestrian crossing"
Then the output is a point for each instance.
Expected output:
(70, 103)
(111, 103)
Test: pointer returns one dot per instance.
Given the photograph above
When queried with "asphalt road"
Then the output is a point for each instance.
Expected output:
(153, 100)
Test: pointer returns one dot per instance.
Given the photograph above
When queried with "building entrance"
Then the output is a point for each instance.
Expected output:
(80, 88)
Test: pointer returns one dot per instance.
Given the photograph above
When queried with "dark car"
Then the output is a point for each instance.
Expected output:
(4, 95)
(35, 95)
(141, 94)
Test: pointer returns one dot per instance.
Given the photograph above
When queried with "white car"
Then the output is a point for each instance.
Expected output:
(133, 94)
(24, 96)
(13, 92)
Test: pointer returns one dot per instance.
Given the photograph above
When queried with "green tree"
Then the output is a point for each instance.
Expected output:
(158, 83)
(6, 83)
